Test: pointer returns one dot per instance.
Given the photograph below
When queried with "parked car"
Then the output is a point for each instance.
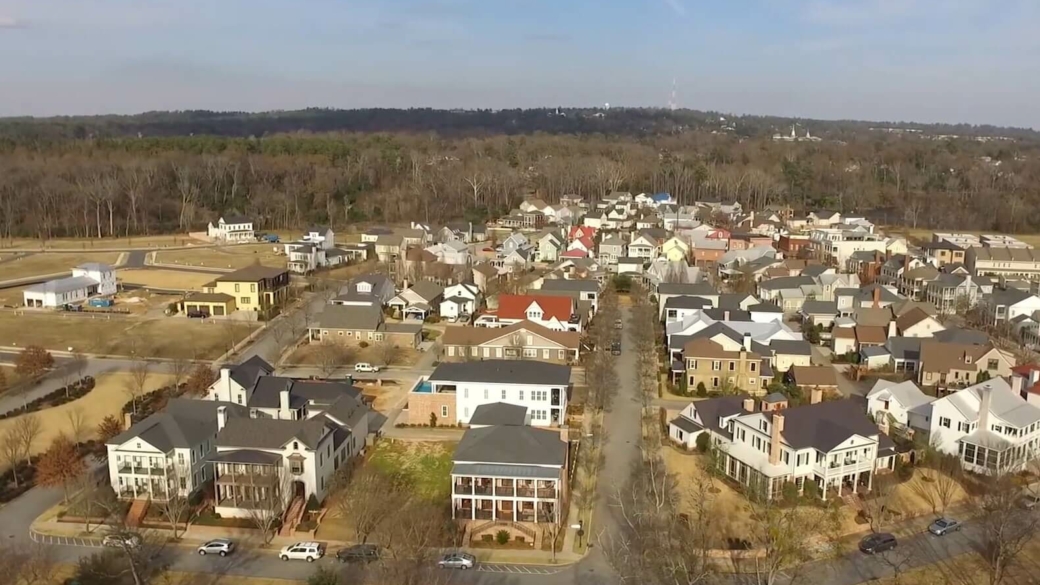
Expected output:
(943, 526)
(615, 348)
(877, 543)
(366, 367)
(1029, 501)
(219, 546)
(359, 553)
(303, 551)
(457, 561)
(618, 324)
(196, 315)
(121, 540)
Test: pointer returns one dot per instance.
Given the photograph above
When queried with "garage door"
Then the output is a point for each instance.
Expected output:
(218, 310)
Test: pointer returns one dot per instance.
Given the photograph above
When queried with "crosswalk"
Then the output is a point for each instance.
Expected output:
(518, 569)
(64, 540)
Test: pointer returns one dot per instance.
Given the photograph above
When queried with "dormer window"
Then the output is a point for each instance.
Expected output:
(296, 445)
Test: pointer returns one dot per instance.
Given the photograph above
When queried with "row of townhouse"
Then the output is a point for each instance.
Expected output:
(258, 439)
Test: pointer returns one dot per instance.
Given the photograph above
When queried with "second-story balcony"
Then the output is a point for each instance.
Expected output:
(130, 468)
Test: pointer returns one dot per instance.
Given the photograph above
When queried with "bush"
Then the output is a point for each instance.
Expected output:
(63, 395)
(703, 442)
(904, 471)
(323, 576)
(312, 504)
(702, 390)
(363, 344)
(433, 319)
(810, 489)
(502, 537)
(433, 419)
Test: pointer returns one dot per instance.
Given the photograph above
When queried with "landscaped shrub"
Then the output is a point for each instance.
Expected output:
(312, 504)
(502, 537)
(363, 344)
(702, 390)
(703, 442)
(63, 395)
(810, 489)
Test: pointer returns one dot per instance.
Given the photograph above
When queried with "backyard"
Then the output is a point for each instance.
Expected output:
(42, 264)
(426, 465)
(166, 279)
(314, 354)
(107, 398)
(121, 335)
(237, 256)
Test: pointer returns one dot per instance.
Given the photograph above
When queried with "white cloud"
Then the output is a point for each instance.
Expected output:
(10, 22)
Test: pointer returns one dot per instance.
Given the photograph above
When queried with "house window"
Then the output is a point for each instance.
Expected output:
(692, 364)
(485, 393)
(992, 364)
(521, 395)
(444, 411)
(732, 366)
(716, 366)
(944, 422)
(295, 466)
(244, 300)
(252, 288)
(296, 446)
(753, 366)
(714, 382)
(340, 333)
(237, 288)
(379, 337)
(503, 394)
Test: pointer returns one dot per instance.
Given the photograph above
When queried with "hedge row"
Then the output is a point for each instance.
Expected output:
(153, 402)
(76, 390)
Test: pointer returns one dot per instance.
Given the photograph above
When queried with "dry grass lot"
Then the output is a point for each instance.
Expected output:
(182, 578)
(107, 398)
(310, 355)
(95, 243)
(968, 569)
(9, 376)
(12, 296)
(48, 263)
(168, 337)
(166, 279)
(236, 256)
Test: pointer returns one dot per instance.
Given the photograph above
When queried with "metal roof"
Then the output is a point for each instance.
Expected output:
(491, 470)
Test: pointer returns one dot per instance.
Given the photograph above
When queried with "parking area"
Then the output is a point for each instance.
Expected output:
(64, 540)
(518, 569)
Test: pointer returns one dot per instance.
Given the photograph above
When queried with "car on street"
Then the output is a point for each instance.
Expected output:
(618, 324)
(219, 546)
(122, 539)
(944, 526)
(457, 561)
(1029, 501)
(196, 315)
(878, 543)
(366, 367)
(359, 553)
(302, 551)
(615, 348)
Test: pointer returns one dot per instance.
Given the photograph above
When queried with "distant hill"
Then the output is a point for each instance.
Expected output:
(637, 122)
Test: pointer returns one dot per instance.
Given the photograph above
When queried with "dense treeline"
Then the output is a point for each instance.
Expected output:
(119, 185)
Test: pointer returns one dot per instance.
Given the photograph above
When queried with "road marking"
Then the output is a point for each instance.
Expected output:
(518, 569)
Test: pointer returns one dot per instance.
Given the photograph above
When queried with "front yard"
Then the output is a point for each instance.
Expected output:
(166, 279)
(48, 263)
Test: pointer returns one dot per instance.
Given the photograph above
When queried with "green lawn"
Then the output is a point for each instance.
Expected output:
(427, 465)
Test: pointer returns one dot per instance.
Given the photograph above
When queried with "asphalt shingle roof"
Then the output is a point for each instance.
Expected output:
(504, 372)
(522, 445)
(499, 413)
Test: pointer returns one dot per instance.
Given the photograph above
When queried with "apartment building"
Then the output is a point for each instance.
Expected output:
(708, 363)
(1007, 262)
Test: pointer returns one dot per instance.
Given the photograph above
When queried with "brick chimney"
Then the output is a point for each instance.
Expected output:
(128, 421)
(749, 404)
(774, 438)
(746, 342)
(877, 296)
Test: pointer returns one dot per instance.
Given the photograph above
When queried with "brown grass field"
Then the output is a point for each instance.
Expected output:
(167, 337)
(166, 279)
(237, 256)
(162, 241)
(923, 235)
(48, 263)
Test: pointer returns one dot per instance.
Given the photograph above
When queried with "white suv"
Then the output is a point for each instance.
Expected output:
(366, 367)
(305, 551)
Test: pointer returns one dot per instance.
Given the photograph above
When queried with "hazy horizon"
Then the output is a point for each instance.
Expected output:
(879, 60)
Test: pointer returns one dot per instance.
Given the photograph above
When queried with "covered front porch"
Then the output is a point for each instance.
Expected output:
(248, 480)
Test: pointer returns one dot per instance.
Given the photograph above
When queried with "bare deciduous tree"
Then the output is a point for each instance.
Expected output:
(27, 428)
(140, 370)
(11, 452)
(366, 498)
(77, 424)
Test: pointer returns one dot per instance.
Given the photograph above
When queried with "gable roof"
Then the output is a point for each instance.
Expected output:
(942, 357)
(703, 347)
(499, 413)
(517, 445)
(820, 308)
(515, 306)
(687, 302)
(906, 393)
(460, 335)
(503, 372)
(248, 372)
(871, 317)
(911, 318)
(826, 425)
(427, 290)
(713, 409)
(183, 424)
(254, 273)
(270, 433)
(688, 289)
(814, 375)
(962, 336)
(267, 392)
(579, 285)
(356, 317)
(790, 347)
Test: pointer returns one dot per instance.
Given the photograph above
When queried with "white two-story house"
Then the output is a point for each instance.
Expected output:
(452, 393)
(987, 426)
(232, 228)
(831, 444)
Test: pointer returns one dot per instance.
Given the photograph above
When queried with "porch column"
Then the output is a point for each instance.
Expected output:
(494, 508)
(473, 509)
(515, 505)
(824, 492)
(870, 480)
(855, 480)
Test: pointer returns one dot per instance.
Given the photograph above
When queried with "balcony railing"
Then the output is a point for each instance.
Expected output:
(525, 516)
(502, 490)
(141, 469)
(482, 490)
(524, 492)
(464, 489)
(483, 514)
(546, 493)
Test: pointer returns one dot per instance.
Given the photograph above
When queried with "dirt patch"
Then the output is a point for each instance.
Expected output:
(48, 263)
(236, 256)
(166, 279)
(120, 335)
(384, 396)
(107, 398)
(12, 297)
(310, 355)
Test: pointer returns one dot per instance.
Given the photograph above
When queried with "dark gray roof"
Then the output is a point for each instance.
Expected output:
(63, 285)
(248, 372)
(904, 348)
(678, 342)
(504, 372)
(270, 433)
(789, 347)
(348, 411)
(687, 302)
(774, 397)
(1009, 296)
(183, 424)
(689, 289)
(686, 424)
(732, 300)
(728, 314)
(427, 290)
(826, 425)
(499, 413)
(356, 317)
(765, 308)
(712, 409)
(874, 351)
(814, 270)
(820, 308)
(962, 336)
(521, 445)
(866, 293)
(571, 285)
(268, 388)
(246, 456)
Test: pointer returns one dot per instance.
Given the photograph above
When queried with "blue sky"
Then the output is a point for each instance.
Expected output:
(924, 60)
